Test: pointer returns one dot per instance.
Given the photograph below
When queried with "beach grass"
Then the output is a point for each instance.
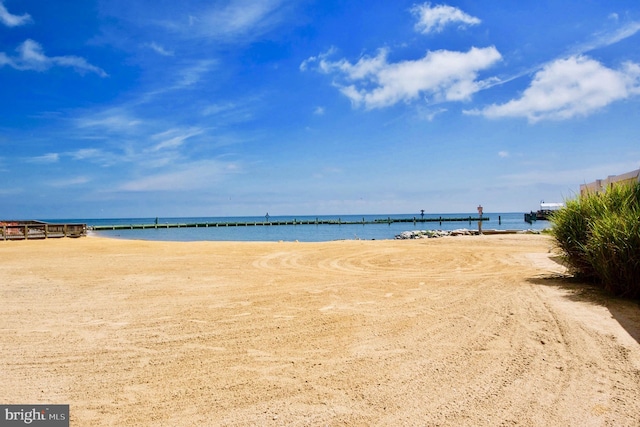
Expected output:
(599, 235)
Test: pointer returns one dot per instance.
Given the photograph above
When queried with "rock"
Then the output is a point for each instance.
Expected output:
(429, 234)
(421, 234)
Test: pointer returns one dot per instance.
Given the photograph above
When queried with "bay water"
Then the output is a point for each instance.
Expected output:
(302, 232)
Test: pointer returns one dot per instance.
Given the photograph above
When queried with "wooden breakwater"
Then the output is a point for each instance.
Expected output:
(23, 230)
(316, 221)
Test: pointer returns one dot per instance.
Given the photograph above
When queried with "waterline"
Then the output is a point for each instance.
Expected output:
(342, 227)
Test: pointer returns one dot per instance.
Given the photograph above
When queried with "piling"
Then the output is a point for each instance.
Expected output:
(295, 222)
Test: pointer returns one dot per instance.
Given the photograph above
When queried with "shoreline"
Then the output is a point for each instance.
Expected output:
(302, 231)
(405, 235)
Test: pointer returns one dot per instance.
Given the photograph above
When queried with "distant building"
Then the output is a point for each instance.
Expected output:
(600, 185)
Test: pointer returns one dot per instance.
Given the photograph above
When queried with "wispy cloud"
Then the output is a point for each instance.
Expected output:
(45, 158)
(12, 20)
(189, 176)
(567, 88)
(31, 56)
(69, 182)
(193, 74)
(240, 16)
(439, 76)
(86, 153)
(174, 138)
(503, 154)
(607, 38)
(98, 156)
(599, 40)
(567, 177)
(231, 112)
(434, 19)
(238, 20)
(110, 120)
(10, 191)
(158, 49)
(429, 114)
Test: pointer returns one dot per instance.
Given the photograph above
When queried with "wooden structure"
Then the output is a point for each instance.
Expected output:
(601, 185)
(23, 230)
(387, 220)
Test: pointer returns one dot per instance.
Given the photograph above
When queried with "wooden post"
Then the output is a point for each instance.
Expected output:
(4, 232)
(26, 232)
(46, 231)
(65, 230)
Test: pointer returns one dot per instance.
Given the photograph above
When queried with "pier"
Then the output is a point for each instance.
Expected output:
(317, 221)
(27, 230)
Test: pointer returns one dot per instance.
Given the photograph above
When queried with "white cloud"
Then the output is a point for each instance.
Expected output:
(86, 153)
(231, 112)
(239, 16)
(236, 21)
(31, 57)
(190, 176)
(173, 138)
(98, 156)
(430, 114)
(441, 75)
(79, 180)
(12, 20)
(159, 49)
(193, 74)
(114, 120)
(45, 158)
(607, 38)
(567, 88)
(435, 19)
(319, 111)
(503, 154)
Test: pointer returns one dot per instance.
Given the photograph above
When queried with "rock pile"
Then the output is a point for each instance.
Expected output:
(428, 234)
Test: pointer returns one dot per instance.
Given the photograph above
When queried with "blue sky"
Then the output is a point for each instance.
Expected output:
(240, 107)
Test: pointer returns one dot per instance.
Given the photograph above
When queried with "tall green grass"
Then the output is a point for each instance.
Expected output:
(599, 235)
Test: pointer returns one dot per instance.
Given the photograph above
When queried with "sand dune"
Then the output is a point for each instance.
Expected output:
(461, 331)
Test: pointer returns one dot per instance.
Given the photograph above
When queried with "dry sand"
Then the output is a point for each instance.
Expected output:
(459, 331)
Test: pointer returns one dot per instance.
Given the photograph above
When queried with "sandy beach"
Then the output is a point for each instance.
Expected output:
(457, 331)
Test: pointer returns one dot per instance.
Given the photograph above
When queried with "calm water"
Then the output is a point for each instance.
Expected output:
(302, 233)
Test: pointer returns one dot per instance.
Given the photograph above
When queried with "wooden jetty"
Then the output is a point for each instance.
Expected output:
(317, 221)
(23, 230)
